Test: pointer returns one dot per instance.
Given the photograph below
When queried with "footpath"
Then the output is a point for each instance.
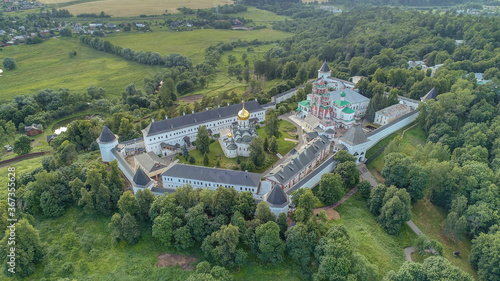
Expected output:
(366, 175)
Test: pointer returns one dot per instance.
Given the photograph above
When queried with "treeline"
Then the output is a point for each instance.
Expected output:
(58, 13)
(425, 3)
(93, 15)
(148, 57)
(458, 167)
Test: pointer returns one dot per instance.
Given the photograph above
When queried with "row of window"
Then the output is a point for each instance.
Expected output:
(199, 183)
(208, 126)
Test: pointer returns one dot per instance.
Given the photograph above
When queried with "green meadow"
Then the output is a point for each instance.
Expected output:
(370, 239)
(189, 43)
(48, 65)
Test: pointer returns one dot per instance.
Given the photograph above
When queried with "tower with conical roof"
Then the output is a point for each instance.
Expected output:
(107, 141)
(324, 71)
(141, 181)
(277, 200)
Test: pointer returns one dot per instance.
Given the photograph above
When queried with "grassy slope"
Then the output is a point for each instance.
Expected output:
(21, 168)
(371, 239)
(412, 138)
(48, 65)
(430, 219)
(189, 43)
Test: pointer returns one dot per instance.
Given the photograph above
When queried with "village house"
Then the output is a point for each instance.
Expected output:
(33, 130)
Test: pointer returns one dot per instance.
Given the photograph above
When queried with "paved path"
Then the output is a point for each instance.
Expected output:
(366, 175)
(408, 251)
(414, 227)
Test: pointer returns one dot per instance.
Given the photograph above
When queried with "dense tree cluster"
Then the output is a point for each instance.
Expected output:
(391, 206)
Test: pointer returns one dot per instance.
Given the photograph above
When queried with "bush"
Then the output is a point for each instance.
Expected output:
(365, 188)
(9, 63)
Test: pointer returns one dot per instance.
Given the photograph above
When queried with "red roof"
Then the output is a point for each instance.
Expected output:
(321, 82)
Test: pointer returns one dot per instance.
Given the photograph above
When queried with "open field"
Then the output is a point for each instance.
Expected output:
(48, 65)
(125, 8)
(430, 219)
(260, 17)
(189, 43)
(370, 239)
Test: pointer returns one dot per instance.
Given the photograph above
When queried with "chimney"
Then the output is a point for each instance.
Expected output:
(255, 99)
(218, 106)
(192, 111)
(183, 113)
(152, 120)
(206, 108)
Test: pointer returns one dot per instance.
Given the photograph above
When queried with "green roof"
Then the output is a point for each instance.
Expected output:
(343, 94)
(298, 109)
(341, 103)
(348, 110)
(305, 103)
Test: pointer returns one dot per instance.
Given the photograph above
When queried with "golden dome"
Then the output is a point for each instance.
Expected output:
(243, 114)
(230, 135)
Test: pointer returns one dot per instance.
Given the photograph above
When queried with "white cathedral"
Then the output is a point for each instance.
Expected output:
(235, 140)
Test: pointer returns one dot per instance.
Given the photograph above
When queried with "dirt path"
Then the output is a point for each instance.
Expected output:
(176, 260)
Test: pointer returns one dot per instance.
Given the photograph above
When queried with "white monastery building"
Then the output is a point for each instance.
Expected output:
(166, 136)
(235, 140)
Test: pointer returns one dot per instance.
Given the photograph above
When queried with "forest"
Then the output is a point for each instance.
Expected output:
(458, 168)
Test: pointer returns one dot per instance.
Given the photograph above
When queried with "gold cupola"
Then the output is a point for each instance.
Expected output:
(243, 114)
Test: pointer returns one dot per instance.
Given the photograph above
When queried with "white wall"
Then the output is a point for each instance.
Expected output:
(374, 139)
(174, 182)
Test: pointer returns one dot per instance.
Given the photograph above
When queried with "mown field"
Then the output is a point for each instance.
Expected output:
(126, 8)
(48, 65)
(189, 43)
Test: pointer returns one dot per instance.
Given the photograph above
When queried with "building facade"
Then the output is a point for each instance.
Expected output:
(301, 164)
(235, 141)
(179, 175)
(163, 137)
(335, 108)
(388, 114)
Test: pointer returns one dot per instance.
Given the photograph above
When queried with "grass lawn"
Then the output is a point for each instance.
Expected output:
(189, 43)
(47, 65)
(430, 219)
(214, 152)
(287, 130)
(380, 248)
(411, 139)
